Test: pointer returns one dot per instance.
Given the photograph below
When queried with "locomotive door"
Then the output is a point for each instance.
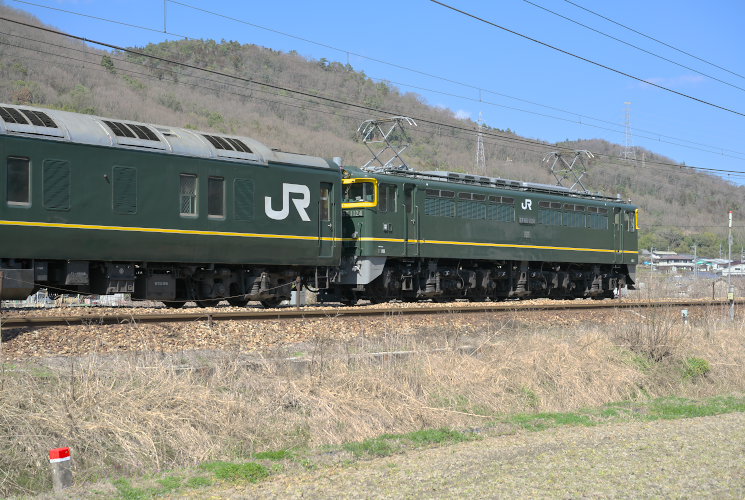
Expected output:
(617, 235)
(411, 213)
(325, 220)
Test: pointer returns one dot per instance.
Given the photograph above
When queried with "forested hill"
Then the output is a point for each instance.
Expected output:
(678, 206)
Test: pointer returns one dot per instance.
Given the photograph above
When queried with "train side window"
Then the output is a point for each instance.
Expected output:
(18, 181)
(388, 194)
(325, 206)
(188, 194)
(216, 198)
(409, 198)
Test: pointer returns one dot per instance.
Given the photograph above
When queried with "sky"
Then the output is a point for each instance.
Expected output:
(472, 67)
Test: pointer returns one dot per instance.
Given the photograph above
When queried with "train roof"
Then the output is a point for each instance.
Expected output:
(99, 131)
(492, 182)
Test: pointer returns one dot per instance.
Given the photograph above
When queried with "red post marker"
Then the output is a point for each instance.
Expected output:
(61, 463)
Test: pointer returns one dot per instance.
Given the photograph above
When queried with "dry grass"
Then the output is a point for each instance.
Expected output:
(130, 414)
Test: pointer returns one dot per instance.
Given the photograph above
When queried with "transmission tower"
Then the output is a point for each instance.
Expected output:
(629, 152)
(480, 156)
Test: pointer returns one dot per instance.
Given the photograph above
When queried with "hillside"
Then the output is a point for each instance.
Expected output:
(678, 207)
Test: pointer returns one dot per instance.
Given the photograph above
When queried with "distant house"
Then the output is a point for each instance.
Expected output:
(736, 269)
(715, 265)
(673, 262)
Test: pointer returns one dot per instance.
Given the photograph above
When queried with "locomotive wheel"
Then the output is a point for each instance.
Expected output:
(208, 302)
(175, 304)
(237, 302)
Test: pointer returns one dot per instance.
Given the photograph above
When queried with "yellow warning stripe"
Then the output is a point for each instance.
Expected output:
(163, 230)
(294, 237)
(492, 245)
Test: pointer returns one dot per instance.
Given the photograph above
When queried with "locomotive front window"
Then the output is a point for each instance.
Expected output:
(360, 193)
(19, 181)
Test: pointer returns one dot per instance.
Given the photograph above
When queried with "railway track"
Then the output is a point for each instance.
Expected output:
(334, 312)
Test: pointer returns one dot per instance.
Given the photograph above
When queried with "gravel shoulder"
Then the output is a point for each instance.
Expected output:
(697, 457)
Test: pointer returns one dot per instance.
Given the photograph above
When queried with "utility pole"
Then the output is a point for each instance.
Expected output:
(730, 290)
(480, 155)
(695, 261)
(651, 271)
(628, 151)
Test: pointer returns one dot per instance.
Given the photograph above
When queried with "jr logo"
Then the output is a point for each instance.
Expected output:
(300, 203)
(527, 204)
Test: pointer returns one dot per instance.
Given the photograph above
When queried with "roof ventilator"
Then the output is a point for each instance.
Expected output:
(227, 143)
(37, 118)
(132, 131)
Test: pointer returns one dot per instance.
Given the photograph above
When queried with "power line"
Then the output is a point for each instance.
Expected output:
(681, 168)
(101, 18)
(600, 65)
(654, 39)
(716, 150)
(632, 45)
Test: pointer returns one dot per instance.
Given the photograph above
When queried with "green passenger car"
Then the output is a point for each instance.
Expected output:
(98, 205)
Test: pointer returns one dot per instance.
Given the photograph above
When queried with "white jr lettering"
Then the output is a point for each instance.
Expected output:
(527, 204)
(300, 203)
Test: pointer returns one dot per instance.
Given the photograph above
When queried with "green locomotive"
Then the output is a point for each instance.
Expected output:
(414, 235)
(101, 206)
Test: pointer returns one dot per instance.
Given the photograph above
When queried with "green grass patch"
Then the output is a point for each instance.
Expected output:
(695, 368)
(541, 421)
(627, 411)
(198, 482)
(126, 491)
(674, 408)
(388, 444)
(228, 471)
(274, 455)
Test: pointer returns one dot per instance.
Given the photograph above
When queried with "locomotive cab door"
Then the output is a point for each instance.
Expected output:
(326, 220)
(411, 212)
(618, 226)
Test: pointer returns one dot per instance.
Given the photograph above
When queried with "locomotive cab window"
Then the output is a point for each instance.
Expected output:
(188, 194)
(18, 182)
(359, 193)
(216, 198)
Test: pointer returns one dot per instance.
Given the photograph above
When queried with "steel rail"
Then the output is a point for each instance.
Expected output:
(10, 322)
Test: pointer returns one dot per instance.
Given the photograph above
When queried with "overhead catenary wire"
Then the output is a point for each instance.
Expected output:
(580, 117)
(355, 105)
(654, 39)
(585, 59)
(649, 52)
(711, 150)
